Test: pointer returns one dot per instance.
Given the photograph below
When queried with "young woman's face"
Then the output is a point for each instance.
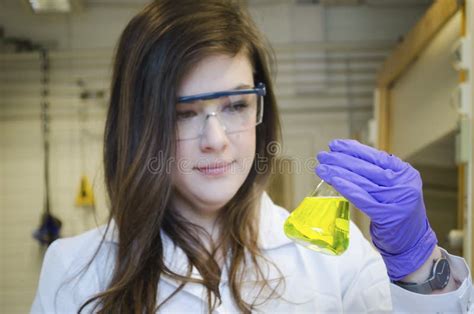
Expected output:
(211, 168)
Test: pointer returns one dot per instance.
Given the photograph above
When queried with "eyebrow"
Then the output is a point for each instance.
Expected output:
(242, 86)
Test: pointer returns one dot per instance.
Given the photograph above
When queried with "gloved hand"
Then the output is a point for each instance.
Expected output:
(389, 191)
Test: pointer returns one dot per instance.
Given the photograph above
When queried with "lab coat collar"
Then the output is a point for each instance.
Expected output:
(174, 258)
(271, 235)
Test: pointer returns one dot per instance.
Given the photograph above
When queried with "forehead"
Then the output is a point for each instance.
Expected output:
(217, 73)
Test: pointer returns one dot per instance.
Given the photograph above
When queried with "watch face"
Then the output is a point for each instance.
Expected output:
(441, 274)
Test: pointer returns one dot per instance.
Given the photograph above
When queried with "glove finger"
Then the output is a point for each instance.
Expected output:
(357, 196)
(399, 194)
(383, 177)
(367, 153)
(325, 172)
(402, 195)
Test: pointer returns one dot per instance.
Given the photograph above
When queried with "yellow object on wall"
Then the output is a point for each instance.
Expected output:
(85, 196)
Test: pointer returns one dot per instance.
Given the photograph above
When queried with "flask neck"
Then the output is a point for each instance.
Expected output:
(325, 190)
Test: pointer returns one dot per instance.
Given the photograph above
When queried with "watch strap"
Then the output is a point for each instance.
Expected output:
(439, 278)
(423, 288)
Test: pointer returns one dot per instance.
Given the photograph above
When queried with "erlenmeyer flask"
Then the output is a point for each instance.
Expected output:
(321, 221)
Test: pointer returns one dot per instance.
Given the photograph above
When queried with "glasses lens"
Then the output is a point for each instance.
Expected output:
(189, 119)
(236, 113)
(239, 112)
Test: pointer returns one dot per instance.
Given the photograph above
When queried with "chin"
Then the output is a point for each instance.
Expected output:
(218, 201)
(215, 200)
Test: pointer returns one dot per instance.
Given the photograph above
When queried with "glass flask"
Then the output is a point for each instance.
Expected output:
(321, 221)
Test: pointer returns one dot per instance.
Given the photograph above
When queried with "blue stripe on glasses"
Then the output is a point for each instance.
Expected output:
(259, 90)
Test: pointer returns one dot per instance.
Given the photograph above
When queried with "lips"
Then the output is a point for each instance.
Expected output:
(215, 169)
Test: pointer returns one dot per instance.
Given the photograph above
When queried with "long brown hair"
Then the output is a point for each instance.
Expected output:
(157, 48)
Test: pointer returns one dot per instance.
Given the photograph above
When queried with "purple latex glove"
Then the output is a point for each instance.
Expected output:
(389, 191)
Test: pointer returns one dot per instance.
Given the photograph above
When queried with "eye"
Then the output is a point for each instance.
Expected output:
(235, 107)
(185, 115)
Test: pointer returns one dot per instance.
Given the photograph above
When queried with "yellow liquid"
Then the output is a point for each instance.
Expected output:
(320, 224)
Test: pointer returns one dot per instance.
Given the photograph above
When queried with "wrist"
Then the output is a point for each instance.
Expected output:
(425, 273)
(422, 273)
(409, 260)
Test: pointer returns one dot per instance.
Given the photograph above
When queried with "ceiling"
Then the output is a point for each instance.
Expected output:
(378, 3)
(140, 3)
(258, 2)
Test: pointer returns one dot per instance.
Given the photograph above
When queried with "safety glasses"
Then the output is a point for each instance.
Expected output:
(236, 110)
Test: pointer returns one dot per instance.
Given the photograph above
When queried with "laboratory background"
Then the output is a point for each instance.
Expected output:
(394, 74)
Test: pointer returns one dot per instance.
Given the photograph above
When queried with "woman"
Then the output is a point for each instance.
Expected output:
(191, 229)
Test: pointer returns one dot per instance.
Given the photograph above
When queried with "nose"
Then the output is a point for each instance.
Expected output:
(213, 137)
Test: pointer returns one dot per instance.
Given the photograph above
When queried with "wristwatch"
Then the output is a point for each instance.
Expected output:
(439, 278)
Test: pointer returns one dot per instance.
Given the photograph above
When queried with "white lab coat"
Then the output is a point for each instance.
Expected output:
(356, 281)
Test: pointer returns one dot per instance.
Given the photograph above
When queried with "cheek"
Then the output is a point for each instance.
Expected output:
(251, 148)
(252, 141)
(182, 161)
(245, 146)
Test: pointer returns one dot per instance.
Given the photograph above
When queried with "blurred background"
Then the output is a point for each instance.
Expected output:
(395, 74)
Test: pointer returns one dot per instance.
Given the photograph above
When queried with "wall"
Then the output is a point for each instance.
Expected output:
(75, 150)
(101, 22)
(411, 103)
